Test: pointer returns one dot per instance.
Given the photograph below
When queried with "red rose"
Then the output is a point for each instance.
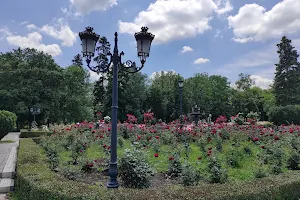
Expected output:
(157, 137)
(104, 146)
(170, 158)
(156, 155)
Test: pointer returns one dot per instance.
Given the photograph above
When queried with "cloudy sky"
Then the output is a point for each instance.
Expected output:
(224, 37)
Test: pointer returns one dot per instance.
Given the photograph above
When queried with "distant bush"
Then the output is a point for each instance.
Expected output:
(285, 114)
(7, 122)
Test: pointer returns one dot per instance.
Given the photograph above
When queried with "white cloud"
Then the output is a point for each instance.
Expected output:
(33, 40)
(218, 34)
(186, 49)
(31, 26)
(227, 7)
(254, 23)
(261, 82)
(60, 31)
(23, 23)
(176, 19)
(4, 32)
(87, 6)
(201, 61)
(69, 13)
(94, 76)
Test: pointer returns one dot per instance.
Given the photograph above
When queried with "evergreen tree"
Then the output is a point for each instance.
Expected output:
(100, 102)
(77, 60)
(286, 82)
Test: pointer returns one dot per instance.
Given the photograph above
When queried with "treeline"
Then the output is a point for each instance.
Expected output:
(30, 78)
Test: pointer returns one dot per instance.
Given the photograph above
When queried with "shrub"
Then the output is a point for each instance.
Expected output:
(216, 173)
(285, 114)
(36, 181)
(234, 157)
(175, 167)
(134, 169)
(7, 122)
(260, 173)
(71, 172)
(293, 161)
(190, 176)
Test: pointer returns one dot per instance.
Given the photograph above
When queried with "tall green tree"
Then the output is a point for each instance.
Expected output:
(163, 98)
(28, 78)
(77, 104)
(287, 79)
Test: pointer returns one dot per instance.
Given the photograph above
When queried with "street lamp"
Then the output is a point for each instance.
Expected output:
(180, 86)
(89, 40)
(35, 111)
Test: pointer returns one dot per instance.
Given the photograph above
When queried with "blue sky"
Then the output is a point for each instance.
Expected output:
(224, 37)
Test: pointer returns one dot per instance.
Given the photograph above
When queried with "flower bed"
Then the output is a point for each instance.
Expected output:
(35, 180)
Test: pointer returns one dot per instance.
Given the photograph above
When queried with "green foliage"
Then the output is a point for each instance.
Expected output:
(285, 114)
(71, 172)
(134, 169)
(32, 78)
(294, 160)
(175, 166)
(7, 122)
(36, 181)
(234, 157)
(215, 171)
(253, 115)
(286, 81)
(260, 173)
(189, 176)
(51, 150)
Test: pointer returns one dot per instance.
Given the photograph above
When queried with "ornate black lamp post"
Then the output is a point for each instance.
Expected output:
(180, 86)
(35, 111)
(89, 40)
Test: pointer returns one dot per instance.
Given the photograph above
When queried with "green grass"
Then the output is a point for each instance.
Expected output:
(248, 164)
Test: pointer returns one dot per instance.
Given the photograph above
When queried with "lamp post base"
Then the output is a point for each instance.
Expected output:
(113, 173)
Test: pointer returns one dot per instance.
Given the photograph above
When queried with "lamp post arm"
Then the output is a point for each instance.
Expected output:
(130, 66)
(102, 66)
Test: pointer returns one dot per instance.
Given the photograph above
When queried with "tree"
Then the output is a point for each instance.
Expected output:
(244, 82)
(163, 98)
(77, 60)
(286, 81)
(28, 78)
(131, 88)
(77, 104)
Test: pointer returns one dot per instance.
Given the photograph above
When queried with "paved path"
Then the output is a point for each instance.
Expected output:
(8, 158)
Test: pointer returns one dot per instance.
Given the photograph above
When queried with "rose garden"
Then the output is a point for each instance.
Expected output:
(153, 142)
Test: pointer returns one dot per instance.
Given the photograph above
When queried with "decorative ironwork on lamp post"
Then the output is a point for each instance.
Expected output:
(35, 111)
(89, 40)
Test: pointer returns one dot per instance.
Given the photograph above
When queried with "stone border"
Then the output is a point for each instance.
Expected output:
(9, 170)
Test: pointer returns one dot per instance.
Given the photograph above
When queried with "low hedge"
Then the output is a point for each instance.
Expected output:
(36, 181)
(32, 134)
